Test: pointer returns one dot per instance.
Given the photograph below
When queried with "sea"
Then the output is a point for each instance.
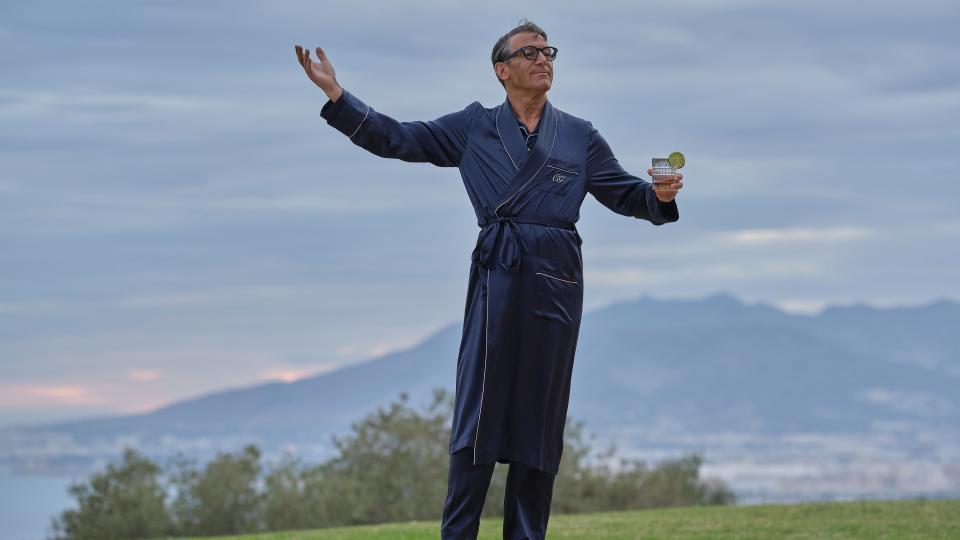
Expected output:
(28, 504)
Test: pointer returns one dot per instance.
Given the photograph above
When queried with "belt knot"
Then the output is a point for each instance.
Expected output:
(501, 235)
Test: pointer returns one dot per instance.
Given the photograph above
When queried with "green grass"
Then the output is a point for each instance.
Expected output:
(903, 519)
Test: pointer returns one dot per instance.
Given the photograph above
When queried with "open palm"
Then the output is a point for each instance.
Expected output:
(320, 72)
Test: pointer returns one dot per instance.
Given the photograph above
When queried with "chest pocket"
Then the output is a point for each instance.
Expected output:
(557, 175)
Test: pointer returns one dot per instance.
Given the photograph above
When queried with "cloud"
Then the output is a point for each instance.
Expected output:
(794, 235)
(290, 374)
(949, 228)
(214, 297)
(729, 272)
(801, 306)
(144, 375)
(739, 241)
(37, 102)
(910, 402)
(373, 350)
(17, 396)
(140, 405)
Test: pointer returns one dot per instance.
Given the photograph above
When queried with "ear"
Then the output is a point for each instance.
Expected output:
(502, 71)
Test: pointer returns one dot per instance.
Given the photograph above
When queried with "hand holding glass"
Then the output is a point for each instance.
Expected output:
(663, 172)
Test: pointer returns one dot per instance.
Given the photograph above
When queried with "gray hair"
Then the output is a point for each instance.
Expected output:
(500, 49)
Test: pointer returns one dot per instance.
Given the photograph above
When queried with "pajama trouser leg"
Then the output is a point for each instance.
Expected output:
(466, 491)
(526, 503)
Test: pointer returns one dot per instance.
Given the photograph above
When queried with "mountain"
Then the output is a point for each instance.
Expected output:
(752, 387)
(717, 364)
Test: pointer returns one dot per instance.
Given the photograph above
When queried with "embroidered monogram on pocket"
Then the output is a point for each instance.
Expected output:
(557, 175)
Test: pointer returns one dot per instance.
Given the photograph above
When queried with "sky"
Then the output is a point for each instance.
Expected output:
(176, 217)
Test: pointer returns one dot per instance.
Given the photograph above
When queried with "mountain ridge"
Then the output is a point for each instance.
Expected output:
(649, 375)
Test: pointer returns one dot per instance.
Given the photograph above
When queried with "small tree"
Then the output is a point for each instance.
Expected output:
(224, 498)
(125, 501)
(391, 468)
(579, 487)
(673, 482)
(287, 504)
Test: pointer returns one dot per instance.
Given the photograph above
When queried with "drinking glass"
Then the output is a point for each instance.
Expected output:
(663, 172)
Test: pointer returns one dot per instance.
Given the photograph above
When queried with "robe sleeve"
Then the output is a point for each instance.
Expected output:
(439, 141)
(620, 191)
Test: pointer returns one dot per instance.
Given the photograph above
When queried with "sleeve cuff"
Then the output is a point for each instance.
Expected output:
(347, 114)
(661, 212)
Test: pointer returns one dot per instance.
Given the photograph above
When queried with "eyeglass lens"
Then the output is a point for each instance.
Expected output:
(531, 52)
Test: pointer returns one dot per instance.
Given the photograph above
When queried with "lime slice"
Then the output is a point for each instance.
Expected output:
(676, 160)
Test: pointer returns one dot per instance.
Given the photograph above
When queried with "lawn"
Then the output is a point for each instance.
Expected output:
(873, 520)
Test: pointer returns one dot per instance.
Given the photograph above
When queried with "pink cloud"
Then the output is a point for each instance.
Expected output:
(144, 407)
(15, 396)
(288, 375)
(144, 375)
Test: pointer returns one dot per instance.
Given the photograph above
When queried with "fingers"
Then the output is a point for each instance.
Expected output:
(671, 182)
(666, 196)
(322, 56)
(667, 191)
(303, 55)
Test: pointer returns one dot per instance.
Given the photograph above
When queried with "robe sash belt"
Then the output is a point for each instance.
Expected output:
(499, 240)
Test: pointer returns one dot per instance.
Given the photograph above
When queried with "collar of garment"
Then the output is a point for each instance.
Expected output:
(529, 137)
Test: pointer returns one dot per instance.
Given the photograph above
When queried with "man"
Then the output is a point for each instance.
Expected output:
(527, 167)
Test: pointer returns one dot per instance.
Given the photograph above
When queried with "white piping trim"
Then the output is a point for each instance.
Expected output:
(361, 122)
(486, 330)
(496, 121)
(556, 126)
(555, 277)
(561, 169)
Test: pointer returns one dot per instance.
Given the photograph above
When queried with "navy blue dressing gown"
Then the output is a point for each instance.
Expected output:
(525, 290)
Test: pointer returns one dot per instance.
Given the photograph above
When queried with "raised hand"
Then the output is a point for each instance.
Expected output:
(320, 72)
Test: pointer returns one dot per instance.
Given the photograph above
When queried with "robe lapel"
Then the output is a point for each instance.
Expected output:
(527, 162)
(510, 138)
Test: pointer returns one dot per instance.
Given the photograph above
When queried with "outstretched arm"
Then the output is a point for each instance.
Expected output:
(624, 193)
(439, 141)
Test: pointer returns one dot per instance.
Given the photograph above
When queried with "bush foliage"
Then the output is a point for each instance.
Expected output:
(392, 467)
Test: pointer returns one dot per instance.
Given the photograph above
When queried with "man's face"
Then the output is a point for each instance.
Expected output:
(528, 74)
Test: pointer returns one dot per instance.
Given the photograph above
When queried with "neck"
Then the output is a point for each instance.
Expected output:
(528, 106)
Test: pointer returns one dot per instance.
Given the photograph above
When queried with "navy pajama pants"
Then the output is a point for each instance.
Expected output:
(526, 503)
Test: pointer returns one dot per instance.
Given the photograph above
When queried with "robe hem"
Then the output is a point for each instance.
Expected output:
(552, 468)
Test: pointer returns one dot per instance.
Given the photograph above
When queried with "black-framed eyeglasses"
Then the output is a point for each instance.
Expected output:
(530, 53)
